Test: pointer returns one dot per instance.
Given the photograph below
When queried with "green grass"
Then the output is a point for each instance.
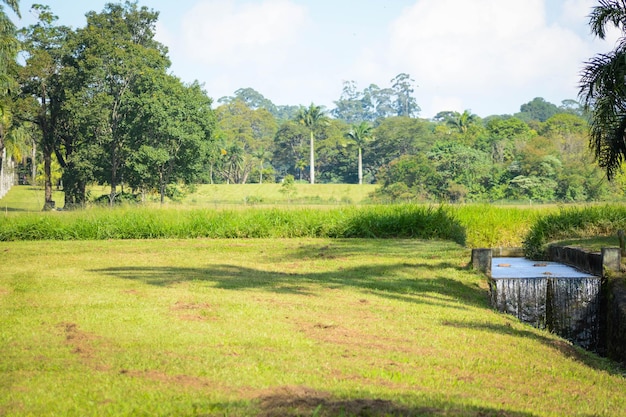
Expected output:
(578, 222)
(255, 194)
(221, 211)
(492, 226)
(406, 221)
(26, 198)
(293, 327)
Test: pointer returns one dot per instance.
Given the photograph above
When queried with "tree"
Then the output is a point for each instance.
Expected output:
(396, 136)
(108, 57)
(8, 51)
(261, 154)
(248, 131)
(44, 47)
(9, 46)
(170, 124)
(349, 107)
(360, 135)
(252, 98)
(405, 104)
(537, 109)
(290, 149)
(312, 117)
(603, 90)
(462, 122)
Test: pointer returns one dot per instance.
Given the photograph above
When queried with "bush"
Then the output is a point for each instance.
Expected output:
(573, 223)
(396, 221)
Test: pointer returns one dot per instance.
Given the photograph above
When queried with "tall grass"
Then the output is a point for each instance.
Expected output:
(403, 221)
(573, 222)
(498, 226)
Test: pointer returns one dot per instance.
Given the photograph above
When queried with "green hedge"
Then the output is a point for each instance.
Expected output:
(395, 221)
(573, 223)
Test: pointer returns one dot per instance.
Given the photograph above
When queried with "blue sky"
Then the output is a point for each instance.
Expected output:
(487, 56)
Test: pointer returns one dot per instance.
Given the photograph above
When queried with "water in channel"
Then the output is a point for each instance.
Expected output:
(549, 295)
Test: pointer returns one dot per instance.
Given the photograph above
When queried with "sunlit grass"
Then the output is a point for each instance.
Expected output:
(244, 327)
(26, 198)
(578, 222)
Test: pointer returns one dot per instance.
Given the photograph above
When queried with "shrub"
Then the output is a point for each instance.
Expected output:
(571, 223)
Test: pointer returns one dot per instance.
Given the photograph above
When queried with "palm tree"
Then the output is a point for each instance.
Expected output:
(261, 155)
(462, 122)
(603, 89)
(300, 165)
(312, 117)
(360, 134)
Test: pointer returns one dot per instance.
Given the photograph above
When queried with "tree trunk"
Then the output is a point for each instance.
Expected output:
(113, 192)
(33, 164)
(47, 173)
(360, 167)
(312, 161)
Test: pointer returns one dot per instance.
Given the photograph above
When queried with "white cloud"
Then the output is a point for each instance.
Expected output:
(577, 11)
(218, 31)
(490, 55)
(230, 44)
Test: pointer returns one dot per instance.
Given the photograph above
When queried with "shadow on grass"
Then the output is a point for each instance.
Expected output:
(380, 280)
(376, 279)
(563, 347)
(303, 401)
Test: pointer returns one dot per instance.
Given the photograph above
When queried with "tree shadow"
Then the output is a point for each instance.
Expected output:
(565, 348)
(349, 247)
(304, 401)
(373, 279)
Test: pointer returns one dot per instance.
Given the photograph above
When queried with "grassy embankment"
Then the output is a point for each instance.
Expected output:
(302, 326)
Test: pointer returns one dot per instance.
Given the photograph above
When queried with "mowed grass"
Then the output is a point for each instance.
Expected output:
(280, 327)
(318, 194)
(26, 198)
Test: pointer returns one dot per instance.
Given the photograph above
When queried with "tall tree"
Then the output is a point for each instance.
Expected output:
(248, 129)
(170, 125)
(537, 109)
(349, 107)
(109, 55)
(8, 52)
(405, 104)
(44, 45)
(603, 90)
(360, 134)
(312, 117)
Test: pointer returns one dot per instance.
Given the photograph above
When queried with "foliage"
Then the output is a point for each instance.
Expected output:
(603, 90)
(573, 222)
(106, 107)
(312, 118)
(537, 109)
(406, 221)
(374, 103)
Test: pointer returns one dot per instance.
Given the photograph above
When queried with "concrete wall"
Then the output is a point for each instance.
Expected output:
(606, 264)
(615, 313)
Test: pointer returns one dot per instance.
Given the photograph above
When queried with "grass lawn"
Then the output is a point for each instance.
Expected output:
(276, 327)
(26, 198)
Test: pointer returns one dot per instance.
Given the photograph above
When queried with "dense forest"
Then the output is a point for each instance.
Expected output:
(97, 105)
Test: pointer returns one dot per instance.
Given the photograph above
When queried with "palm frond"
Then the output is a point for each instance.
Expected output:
(609, 11)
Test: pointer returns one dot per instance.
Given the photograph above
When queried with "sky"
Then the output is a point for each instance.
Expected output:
(485, 56)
